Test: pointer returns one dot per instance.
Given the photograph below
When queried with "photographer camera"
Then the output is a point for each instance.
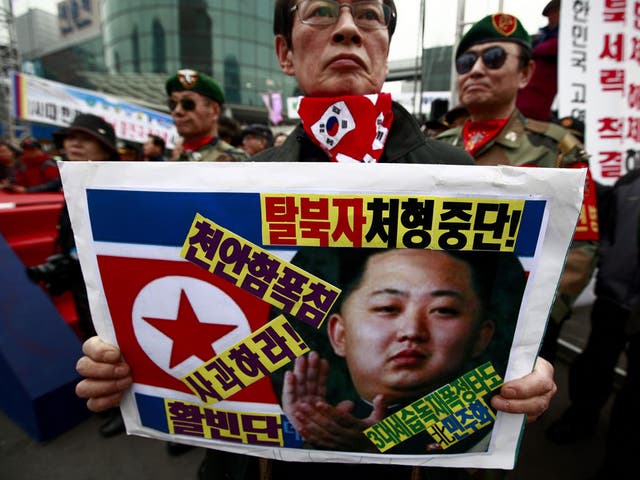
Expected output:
(56, 273)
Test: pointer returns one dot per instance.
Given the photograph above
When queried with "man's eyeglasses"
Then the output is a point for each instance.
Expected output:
(492, 57)
(366, 15)
(187, 104)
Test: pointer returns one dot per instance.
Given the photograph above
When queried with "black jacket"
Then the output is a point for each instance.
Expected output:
(618, 277)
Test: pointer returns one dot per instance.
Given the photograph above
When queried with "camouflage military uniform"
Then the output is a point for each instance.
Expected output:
(526, 142)
(533, 143)
(215, 151)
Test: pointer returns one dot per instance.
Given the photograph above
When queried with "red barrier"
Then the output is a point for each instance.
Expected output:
(28, 223)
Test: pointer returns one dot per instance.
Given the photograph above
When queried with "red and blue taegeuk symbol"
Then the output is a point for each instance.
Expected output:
(333, 126)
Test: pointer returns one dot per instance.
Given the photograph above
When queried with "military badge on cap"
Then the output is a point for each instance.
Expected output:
(498, 27)
(188, 78)
(194, 81)
(504, 23)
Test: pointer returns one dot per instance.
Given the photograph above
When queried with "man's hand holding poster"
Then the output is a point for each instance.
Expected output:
(324, 311)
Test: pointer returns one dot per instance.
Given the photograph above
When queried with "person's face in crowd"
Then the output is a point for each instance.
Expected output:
(198, 122)
(409, 325)
(79, 146)
(129, 154)
(253, 144)
(279, 140)
(149, 149)
(491, 93)
(338, 59)
(31, 155)
(7, 157)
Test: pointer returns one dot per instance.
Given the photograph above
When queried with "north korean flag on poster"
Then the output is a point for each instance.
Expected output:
(170, 317)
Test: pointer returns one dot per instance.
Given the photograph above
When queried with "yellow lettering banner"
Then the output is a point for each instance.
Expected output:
(385, 221)
(253, 269)
(448, 415)
(184, 418)
(264, 351)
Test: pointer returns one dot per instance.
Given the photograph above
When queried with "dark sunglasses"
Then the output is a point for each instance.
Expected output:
(492, 57)
(187, 104)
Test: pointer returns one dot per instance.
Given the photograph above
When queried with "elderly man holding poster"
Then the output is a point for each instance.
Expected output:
(338, 54)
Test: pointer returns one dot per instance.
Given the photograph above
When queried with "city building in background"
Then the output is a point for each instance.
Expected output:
(128, 48)
(65, 47)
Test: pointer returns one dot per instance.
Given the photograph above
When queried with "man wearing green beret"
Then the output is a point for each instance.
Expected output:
(493, 62)
(195, 101)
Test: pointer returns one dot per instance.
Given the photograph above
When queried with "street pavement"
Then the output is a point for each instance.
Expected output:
(82, 454)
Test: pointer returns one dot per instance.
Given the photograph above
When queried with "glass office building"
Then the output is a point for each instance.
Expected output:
(232, 40)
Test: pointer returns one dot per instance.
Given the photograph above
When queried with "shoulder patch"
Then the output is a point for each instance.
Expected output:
(536, 125)
(551, 130)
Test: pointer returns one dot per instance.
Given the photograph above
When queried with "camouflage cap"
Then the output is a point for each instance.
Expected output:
(499, 27)
(195, 81)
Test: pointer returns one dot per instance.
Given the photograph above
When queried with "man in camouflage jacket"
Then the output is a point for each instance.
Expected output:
(493, 61)
(195, 101)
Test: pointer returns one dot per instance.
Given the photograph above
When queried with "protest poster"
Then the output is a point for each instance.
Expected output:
(216, 278)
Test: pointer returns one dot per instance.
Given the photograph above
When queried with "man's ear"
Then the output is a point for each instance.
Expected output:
(485, 334)
(336, 332)
(526, 73)
(215, 109)
(284, 54)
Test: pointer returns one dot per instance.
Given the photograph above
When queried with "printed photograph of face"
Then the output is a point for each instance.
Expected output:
(408, 321)
(409, 324)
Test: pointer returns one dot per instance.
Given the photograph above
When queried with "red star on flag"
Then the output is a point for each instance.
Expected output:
(189, 335)
(185, 298)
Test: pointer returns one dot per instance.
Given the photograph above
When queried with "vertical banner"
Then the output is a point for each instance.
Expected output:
(392, 301)
(572, 59)
(600, 67)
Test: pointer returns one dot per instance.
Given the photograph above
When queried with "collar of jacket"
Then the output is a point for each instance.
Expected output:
(513, 132)
(511, 136)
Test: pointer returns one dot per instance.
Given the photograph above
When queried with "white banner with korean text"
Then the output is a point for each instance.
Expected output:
(599, 81)
(52, 103)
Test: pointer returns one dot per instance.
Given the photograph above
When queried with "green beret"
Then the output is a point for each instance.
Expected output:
(194, 81)
(499, 27)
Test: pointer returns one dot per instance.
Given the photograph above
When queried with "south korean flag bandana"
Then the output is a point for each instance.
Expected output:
(350, 128)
